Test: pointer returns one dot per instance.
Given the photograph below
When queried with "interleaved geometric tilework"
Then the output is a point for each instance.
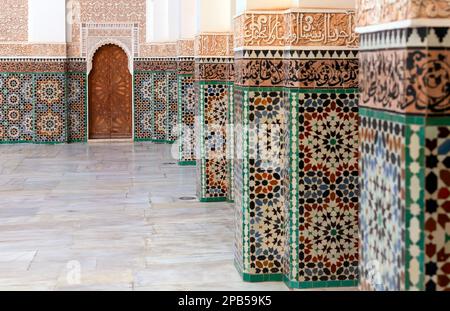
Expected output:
(213, 118)
(328, 186)
(16, 108)
(160, 106)
(172, 112)
(414, 218)
(50, 108)
(76, 103)
(156, 105)
(437, 216)
(382, 216)
(187, 109)
(142, 105)
(238, 182)
(266, 209)
(230, 142)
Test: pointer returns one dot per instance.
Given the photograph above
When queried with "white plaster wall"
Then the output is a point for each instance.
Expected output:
(246, 5)
(149, 21)
(214, 15)
(188, 18)
(160, 21)
(174, 16)
(329, 4)
(243, 5)
(47, 21)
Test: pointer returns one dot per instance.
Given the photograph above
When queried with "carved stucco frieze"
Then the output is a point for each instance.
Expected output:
(296, 29)
(372, 12)
(214, 45)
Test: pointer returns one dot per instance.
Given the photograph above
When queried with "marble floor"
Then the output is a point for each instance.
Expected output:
(108, 216)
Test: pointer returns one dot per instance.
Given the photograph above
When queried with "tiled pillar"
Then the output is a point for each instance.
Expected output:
(296, 167)
(213, 75)
(405, 144)
(186, 102)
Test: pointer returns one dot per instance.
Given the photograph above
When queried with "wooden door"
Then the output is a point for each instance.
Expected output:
(110, 109)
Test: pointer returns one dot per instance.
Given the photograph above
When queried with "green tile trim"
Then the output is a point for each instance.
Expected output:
(142, 139)
(230, 142)
(180, 120)
(162, 141)
(211, 200)
(258, 278)
(246, 258)
(201, 107)
(187, 163)
(392, 117)
(319, 284)
(255, 278)
(415, 217)
(74, 141)
(438, 121)
(294, 158)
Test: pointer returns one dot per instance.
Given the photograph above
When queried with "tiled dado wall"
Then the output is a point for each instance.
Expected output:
(156, 100)
(214, 76)
(296, 163)
(42, 101)
(405, 145)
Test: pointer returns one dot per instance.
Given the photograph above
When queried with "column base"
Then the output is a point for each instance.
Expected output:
(211, 200)
(187, 163)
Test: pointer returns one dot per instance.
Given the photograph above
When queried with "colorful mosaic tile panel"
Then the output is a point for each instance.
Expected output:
(33, 108)
(437, 214)
(230, 141)
(160, 105)
(213, 108)
(239, 186)
(392, 201)
(382, 203)
(16, 108)
(156, 106)
(143, 116)
(259, 193)
(186, 119)
(77, 106)
(50, 108)
(327, 193)
(172, 111)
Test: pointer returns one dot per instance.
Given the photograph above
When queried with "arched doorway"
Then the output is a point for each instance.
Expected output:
(110, 95)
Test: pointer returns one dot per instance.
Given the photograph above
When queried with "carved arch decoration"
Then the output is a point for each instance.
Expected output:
(93, 49)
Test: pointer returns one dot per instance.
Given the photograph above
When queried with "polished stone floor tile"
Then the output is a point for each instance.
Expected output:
(109, 216)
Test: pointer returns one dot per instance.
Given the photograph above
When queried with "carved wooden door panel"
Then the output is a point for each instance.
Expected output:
(110, 109)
